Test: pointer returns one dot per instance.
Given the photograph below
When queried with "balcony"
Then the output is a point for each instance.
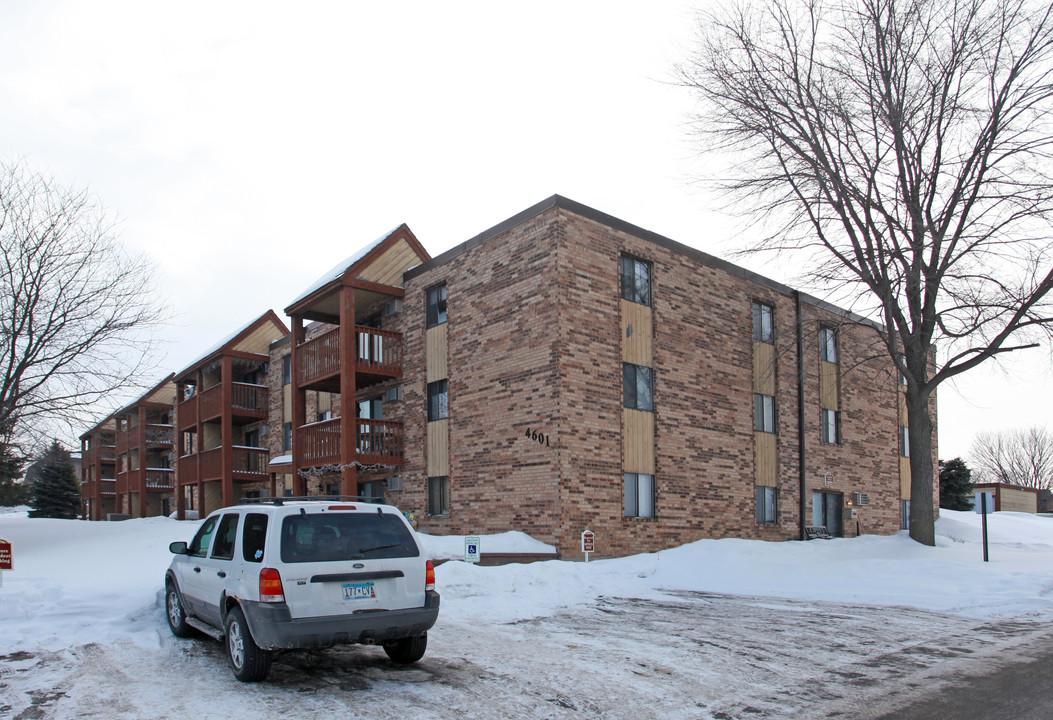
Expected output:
(377, 442)
(160, 479)
(378, 356)
(159, 435)
(249, 464)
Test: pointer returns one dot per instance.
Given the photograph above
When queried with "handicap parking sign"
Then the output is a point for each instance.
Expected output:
(471, 549)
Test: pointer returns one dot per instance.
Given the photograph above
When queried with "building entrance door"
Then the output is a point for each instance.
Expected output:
(828, 511)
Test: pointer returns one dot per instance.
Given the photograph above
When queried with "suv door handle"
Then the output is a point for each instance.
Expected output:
(221, 573)
(197, 569)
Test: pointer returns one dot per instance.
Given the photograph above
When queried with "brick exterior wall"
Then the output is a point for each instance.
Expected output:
(534, 343)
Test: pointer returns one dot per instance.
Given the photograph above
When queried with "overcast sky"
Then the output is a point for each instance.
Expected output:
(247, 147)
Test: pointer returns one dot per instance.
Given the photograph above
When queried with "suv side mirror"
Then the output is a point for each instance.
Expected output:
(177, 548)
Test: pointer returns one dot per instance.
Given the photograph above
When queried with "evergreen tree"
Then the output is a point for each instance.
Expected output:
(956, 487)
(56, 492)
(12, 493)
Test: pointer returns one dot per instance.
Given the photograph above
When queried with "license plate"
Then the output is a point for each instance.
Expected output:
(359, 591)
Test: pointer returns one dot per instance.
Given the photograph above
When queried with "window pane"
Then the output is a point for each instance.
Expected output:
(904, 442)
(643, 283)
(436, 305)
(763, 330)
(644, 388)
(645, 495)
(767, 511)
(438, 400)
(636, 280)
(763, 413)
(630, 495)
(628, 385)
(828, 344)
(439, 496)
(255, 534)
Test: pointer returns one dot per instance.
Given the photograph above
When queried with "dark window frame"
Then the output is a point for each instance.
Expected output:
(767, 499)
(828, 345)
(760, 332)
(226, 538)
(435, 304)
(765, 418)
(631, 495)
(635, 378)
(827, 428)
(438, 398)
(637, 280)
(439, 496)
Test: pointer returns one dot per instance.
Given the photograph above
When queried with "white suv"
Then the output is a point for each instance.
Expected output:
(287, 573)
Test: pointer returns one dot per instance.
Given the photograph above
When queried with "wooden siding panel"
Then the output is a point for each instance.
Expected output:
(764, 447)
(637, 343)
(829, 397)
(439, 448)
(764, 368)
(638, 441)
(436, 353)
(904, 478)
(388, 268)
(1017, 500)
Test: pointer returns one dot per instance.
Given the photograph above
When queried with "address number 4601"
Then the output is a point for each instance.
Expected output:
(539, 437)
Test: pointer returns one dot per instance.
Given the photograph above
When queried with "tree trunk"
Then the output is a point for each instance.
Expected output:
(919, 433)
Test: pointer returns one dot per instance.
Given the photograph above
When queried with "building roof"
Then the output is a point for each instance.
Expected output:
(562, 203)
(254, 338)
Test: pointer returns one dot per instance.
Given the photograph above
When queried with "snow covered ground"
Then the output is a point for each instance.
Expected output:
(715, 629)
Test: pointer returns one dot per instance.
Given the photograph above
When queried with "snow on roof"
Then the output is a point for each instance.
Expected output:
(220, 345)
(341, 267)
(281, 460)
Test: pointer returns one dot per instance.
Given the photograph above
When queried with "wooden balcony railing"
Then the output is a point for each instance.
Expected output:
(251, 460)
(160, 479)
(211, 464)
(376, 351)
(159, 434)
(376, 441)
(250, 398)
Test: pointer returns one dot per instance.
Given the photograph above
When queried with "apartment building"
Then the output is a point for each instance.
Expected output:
(126, 459)
(221, 410)
(566, 370)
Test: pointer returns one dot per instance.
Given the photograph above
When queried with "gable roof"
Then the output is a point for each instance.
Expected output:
(254, 338)
(381, 262)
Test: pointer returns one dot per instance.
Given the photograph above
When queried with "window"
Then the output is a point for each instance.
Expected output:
(904, 441)
(763, 413)
(767, 505)
(763, 328)
(438, 400)
(223, 548)
(335, 537)
(439, 495)
(286, 370)
(637, 386)
(325, 415)
(639, 495)
(252, 438)
(254, 537)
(828, 344)
(287, 436)
(199, 545)
(904, 514)
(831, 421)
(636, 280)
(436, 305)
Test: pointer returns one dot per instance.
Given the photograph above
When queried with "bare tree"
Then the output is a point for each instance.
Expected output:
(904, 146)
(75, 308)
(1015, 457)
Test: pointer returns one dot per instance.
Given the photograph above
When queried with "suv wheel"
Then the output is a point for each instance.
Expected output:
(407, 650)
(249, 662)
(174, 612)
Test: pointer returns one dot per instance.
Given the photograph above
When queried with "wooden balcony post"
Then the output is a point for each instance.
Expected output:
(348, 404)
(299, 407)
(141, 475)
(227, 430)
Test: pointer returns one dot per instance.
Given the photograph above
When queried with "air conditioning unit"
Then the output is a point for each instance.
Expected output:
(860, 499)
(263, 431)
(393, 306)
(393, 394)
(395, 483)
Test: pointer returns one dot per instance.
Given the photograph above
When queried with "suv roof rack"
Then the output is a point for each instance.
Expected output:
(312, 498)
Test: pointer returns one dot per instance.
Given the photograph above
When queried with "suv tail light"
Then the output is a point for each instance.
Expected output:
(271, 590)
(429, 577)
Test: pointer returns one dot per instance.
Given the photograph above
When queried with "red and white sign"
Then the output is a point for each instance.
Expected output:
(588, 541)
(5, 555)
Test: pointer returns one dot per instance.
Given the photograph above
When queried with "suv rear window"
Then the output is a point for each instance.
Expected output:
(334, 536)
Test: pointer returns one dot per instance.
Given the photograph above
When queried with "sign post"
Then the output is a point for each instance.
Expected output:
(588, 543)
(471, 549)
(983, 499)
(6, 562)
